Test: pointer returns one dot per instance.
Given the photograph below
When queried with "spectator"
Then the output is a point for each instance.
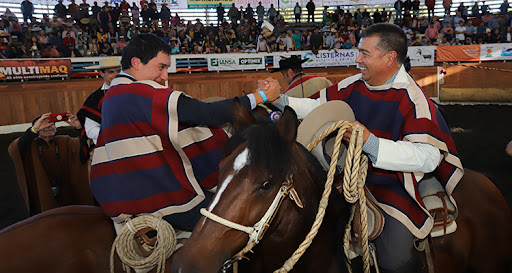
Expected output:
(463, 11)
(432, 33)
(507, 38)
(399, 8)
(317, 40)
(447, 4)
(51, 163)
(249, 13)
(81, 44)
(69, 40)
(120, 45)
(84, 9)
(74, 11)
(504, 7)
(493, 23)
(153, 14)
(220, 13)
(27, 9)
(448, 32)
(4, 51)
(460, 31)
(94, 47)
(297, 11)
(297, 39)
(175, 49)
(136, 16)
(233, 14)
(475, 10)
(95, 9)
(458, 18)
(165, 15)
(262, 45)
(484, 9)
(444, 42)
(221, 43)
(71, 52)
(416, 8)
(103, 18)
(470, 31)
(329, 40)
(124, 6)
(60, 10)
(272, 13)
(310, 6)
(106, 48)
(260, 11)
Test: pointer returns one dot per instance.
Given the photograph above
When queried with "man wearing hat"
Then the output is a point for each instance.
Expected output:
(300, 85)
(405, 138)
(90, 113)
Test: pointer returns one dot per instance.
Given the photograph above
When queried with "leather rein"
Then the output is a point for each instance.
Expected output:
(257, 231)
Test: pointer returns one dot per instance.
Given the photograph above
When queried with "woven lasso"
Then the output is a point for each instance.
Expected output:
(124, 244)
(354, 176)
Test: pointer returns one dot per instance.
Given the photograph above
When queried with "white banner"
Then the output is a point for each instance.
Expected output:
(334, 3)
(421, 55)
(224, 62)
(172, 4)
(327, 58)
(491, 52)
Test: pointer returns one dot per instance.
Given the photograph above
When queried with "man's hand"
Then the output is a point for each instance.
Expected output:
(348, 133)
(42, 123)
(73, 121)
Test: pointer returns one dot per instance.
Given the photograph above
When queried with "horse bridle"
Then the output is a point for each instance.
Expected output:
(257, 231)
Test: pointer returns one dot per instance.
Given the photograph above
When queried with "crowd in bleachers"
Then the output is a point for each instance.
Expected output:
(83, 30)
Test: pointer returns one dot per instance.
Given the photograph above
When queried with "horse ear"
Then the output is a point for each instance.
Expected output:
(288, 124)
(241, 117)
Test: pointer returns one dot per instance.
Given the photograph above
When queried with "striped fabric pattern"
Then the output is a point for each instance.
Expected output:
(400, 111)
(145, 161)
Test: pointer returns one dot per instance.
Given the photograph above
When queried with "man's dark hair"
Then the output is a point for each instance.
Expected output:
(145, 47)
(391, 38)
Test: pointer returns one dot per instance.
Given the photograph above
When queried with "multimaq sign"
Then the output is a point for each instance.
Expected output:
(35, 69)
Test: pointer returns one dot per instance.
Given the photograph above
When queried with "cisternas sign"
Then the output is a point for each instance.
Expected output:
(34, 69)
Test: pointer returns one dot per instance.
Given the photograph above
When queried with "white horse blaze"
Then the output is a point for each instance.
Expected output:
(240, 161)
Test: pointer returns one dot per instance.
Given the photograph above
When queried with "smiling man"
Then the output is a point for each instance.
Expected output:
(152, 156)
(405, 138)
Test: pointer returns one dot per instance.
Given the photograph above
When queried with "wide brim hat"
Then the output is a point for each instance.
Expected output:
(286, 63)
(314, 125)
(85, 21)
(106, 64)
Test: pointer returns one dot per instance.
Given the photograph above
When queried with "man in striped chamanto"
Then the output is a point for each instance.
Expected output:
(405, 138)
(152, 154)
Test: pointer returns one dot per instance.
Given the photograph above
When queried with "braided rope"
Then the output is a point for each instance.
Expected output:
(124, 244)
(354, 179)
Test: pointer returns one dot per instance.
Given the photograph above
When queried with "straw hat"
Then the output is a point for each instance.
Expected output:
(107, 63)
(316, 122)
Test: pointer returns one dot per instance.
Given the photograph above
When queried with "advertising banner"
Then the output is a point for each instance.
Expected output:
(421, 55)
(458, 53)
(493, 52)
(201, 4)
(327, 58)
(35, 69)
(226, 62)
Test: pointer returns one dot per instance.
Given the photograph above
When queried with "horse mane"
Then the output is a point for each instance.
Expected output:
(269, 151)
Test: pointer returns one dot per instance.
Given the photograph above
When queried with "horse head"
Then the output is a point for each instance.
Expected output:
(264, 166)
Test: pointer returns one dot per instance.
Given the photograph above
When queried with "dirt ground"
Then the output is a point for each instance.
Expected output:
(478, 132)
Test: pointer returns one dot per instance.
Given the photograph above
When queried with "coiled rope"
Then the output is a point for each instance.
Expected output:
(354, 177)
(126, 248)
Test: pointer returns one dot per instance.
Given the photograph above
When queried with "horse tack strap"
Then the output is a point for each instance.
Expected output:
(257, 231)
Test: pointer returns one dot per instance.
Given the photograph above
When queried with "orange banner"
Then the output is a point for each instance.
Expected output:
(458, 53)
(35, 69)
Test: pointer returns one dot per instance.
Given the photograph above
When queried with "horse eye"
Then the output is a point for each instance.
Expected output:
(266, 185)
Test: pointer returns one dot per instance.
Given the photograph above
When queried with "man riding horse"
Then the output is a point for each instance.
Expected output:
(405, 137)
(152, 156)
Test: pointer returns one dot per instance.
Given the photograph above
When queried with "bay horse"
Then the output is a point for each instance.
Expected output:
(263, 155)
(79, 238)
